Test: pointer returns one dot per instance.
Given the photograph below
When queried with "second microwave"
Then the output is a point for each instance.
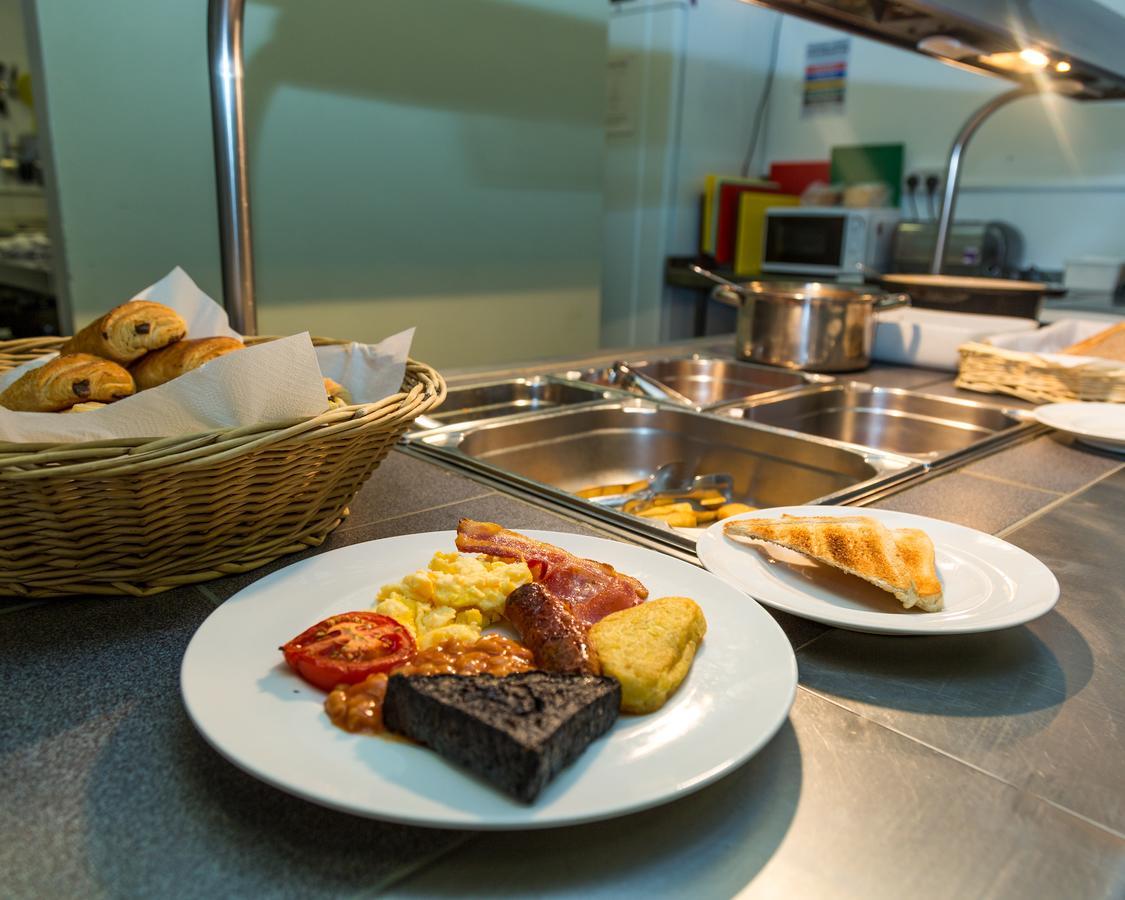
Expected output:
(827, 240)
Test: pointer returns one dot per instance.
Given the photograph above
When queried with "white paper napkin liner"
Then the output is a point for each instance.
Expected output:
(370, 372)
(204, 317)
(1051, 338)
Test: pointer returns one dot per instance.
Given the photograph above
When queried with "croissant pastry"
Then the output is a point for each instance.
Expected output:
(66, 381)
(170, 362)
(129, 331)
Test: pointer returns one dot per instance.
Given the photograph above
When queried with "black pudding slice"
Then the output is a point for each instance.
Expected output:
(516, 732)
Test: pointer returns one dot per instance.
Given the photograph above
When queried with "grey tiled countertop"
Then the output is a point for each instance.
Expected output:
(983, 765)
(106, 789)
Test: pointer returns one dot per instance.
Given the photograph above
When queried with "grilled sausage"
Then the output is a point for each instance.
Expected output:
(551, 631)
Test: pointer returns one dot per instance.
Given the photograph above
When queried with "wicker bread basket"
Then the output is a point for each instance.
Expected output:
(1029, 376)
(138, 516)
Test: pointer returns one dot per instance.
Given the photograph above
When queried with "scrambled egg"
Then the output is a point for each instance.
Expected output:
(453, 599)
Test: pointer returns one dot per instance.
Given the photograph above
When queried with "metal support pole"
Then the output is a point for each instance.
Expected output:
(224, 44)
(953, 169)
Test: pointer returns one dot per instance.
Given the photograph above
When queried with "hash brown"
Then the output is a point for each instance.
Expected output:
(649, 648)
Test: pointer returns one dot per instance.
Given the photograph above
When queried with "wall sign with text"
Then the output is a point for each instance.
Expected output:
(826, 77)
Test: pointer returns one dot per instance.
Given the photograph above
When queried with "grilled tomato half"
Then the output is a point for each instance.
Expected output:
(346, 648)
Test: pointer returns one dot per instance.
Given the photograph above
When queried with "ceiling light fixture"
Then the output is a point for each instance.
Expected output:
(1033, 57)
(1025, 62)
(1062, 67)
(947, 46)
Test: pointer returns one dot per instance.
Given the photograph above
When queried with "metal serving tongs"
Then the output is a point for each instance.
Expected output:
(673, 482)
(624, 375)
(683, 499)
(676, 481)
(617, 495)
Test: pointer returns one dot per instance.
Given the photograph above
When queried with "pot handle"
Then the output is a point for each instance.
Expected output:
(891, 301)
(711, 276)
(727, 296)
(727, 292)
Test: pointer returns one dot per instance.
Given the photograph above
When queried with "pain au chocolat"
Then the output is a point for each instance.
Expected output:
(67, 381)
(163, 365)
(128, 332)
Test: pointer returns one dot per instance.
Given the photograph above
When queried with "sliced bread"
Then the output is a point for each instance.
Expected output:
(917, 552)
(900, 562)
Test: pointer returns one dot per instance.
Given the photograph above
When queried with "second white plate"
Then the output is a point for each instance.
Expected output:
(1101, 425)
(987, 583)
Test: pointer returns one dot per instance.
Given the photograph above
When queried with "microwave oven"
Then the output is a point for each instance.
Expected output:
(827, 240)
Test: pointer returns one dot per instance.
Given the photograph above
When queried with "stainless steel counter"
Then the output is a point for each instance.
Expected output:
(940, 767)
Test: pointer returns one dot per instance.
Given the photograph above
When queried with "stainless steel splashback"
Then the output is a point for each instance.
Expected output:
(987, 35)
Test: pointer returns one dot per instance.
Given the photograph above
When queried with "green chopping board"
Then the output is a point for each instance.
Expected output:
(869, 162)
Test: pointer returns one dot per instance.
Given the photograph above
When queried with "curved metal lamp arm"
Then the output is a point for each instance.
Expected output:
(224, 44)
(953, 168)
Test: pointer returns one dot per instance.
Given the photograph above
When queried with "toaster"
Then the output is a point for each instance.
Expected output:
(985, 249)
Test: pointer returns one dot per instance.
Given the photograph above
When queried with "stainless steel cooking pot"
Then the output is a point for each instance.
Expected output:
(814, 327)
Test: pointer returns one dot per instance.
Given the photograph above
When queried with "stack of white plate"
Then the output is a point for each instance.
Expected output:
(1100, 425)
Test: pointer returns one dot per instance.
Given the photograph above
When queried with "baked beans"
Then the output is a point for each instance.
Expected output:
(359, 707)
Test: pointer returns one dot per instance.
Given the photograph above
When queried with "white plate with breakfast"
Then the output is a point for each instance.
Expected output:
(1100, 425)
(640, 678)
(878, 570)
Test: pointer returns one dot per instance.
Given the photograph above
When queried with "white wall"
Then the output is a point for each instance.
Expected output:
(646, 47)
(433, 163)
(695, 75)
(728, 48)
(1053, 167)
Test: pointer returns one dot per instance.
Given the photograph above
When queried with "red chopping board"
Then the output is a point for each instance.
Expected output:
(793, 177)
